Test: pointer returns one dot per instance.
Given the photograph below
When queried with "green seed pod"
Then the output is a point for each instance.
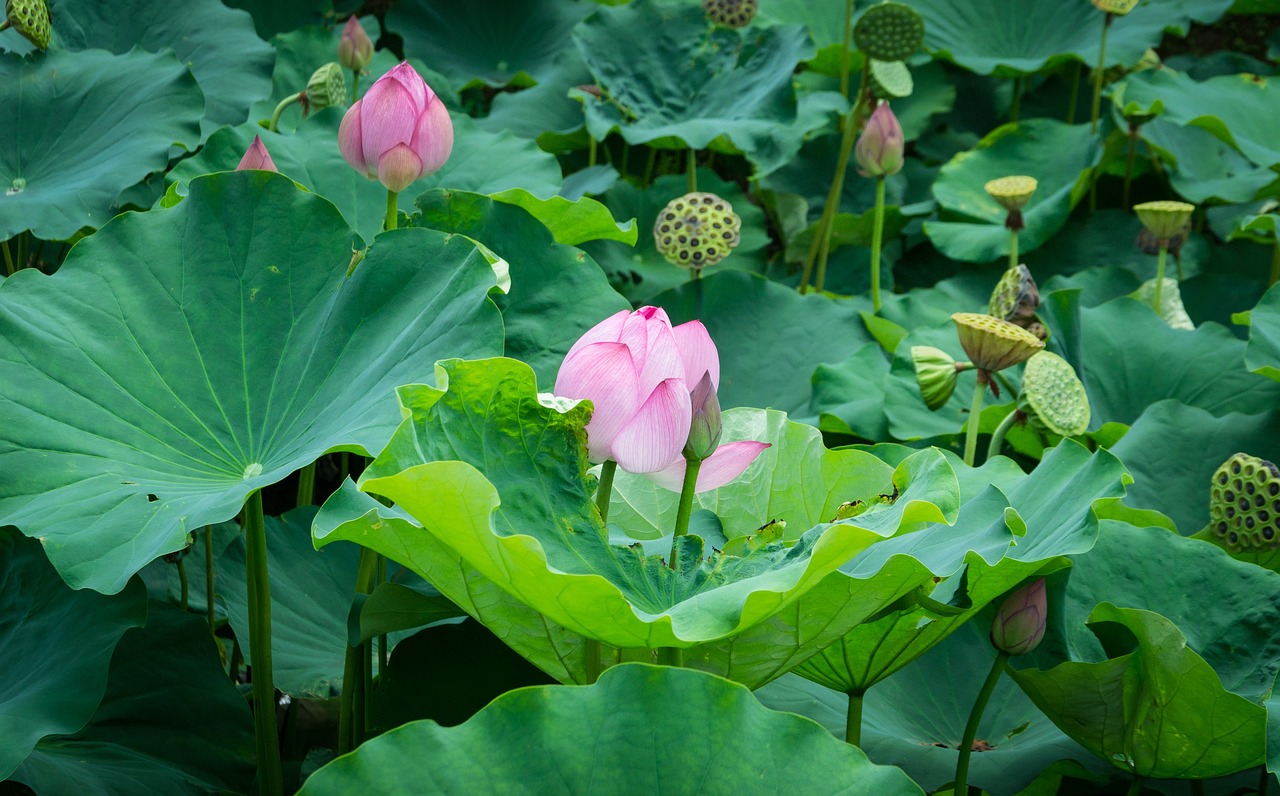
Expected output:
(327, 87)
(935, 373)
(697, 230)
(1053, 398)
(1012, 193)
(1244, 504)
(1118, 7)
(889, 32)
(1166, 219)
(1016, 297)
(31, 19)
(994, 344)
(731, 13)
(891, 79)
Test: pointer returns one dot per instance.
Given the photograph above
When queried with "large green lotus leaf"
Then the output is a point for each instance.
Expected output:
(824, 21)
(1101, 241)
(984, 37)
(542, 539)
(1241, 109)
(41, 695)
(1204, 167)
(1262, 355)
(546, 112)
(164, 583)
(1058, 155)
(181, 359)
(708, 734)
(271, 17)
(690, 81)
(557, 293)
(170, 722)
(494, 43)
(59, 171)
(483, 162)
(1159, 710)
(1173, 450)
(848, 397)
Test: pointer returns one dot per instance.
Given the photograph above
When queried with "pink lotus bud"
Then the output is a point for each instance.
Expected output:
(1019, 625)
(257, 157)
(705, 430)
(399, 131)
(355, 50)
(879, 149)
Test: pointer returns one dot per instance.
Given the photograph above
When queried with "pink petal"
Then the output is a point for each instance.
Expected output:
(661, 358)
(657, 433)
(399, 167)
(351, 143)
(608, 330)
(257, 157)
(433, 137)
(412, 82)
(728, 462)
(604, 374)
(388, 116)
(697, 352)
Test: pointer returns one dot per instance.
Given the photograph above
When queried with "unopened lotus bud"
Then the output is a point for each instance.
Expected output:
(697, 230)
(1016, 297)
(327, 87)
(880, 147)
(1165, 219)
(935, 373)
(889, 32)
(355, 49)
(706, 427)
(1019, 624)
(1012, 193)
(1244, 504)
(1053, 397)
(257, 157)
(994, 344)
(31, 19)
(731, 13)
(1118, 7)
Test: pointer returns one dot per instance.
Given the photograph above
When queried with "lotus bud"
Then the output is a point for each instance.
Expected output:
(697, 230)
(31, 19)
(994, 344)
(879, 149)
(1016, 297)
(705, 430)
(257, 157)
(935, 374)
(327, 87)
(731, 13)
(889, 32)
(1020, 622)
(355, 49)
(1244, 504)
(1012, 193)
(1053, 397)
(399, 131)
(1165, 220)
(1118, 7)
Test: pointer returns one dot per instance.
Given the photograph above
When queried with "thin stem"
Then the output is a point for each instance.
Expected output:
(351, 713)
(626, 159)
(270, 782)
(393, 218)
(605, 490)
(593, 660)
(307, 484)
(355, 85)
(1128, 164)
(853, 720)
(648, 166)
(23, 239)
(1013, 248)
(975, 414)
(844, 54)
(687, 490)
(971, 729)
(692, 164)
(208, 580)
(4, 25)
(1098, 72)
(237, 658)
(696, 278)
(670, 656)
(591, 149)
(183, 585)
(877, 240)
(1135, 787)
(997, 438)
(344, 466)
(8, 258)
(1160, 259)
(1275, 263)
(1076, 74)
(274, 124)
(382, 639)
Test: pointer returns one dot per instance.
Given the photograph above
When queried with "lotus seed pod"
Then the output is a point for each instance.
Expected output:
(935, 373)
(697, 230)
(1012, 193)
(891, 79)
(1244, 504)
(1118, 7)
(994, 344)
(730, 13)
(889, 32)
(1053, 398)
(327, 87)
(1165, 219)
(1016, 297)
(31, 19)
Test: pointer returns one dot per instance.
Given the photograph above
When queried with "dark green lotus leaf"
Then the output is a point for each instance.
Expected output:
(144, 402)
(588, 740)
(38, 613)
(481, 161)
(164, 583)
(546, 112)
(1107, 239)
(1262, 355)
(986, 38)
(824, 21)
(1174, 718)
(1059, 156)
(394, 606)
(58, 171)
(557, 293)
(848, 397)
(688, 81)
(1204, 167)
(271, 17)
(170, 721)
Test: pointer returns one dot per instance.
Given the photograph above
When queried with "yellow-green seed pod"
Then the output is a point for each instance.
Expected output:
(697, 230)
(935, 374)
(1012, 193)
(1244, 504)
(1164, 219)
(1052, 397)
(731, 13)
(994, 344)
(31, 19)
(327, 87)
(1118, 7)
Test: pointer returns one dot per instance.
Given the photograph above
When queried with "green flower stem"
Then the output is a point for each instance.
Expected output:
(687, 490)
(670, 656)
(1275, 263)
(8, 258)
(591, 149)
(284, 103)
(593, 660)
(1160, 259)
(270, 781)
(997, 439)
(355, 85)
(1135, 787)
(237, 658)
(975, 414)
(208, 580)
(853, 720)
(845, 53)
(307, 484)
(1013, 248)
(971, 729)
(4, 25)
(605, 490)
(351, 714)
(1098, 73)
(393, 218)
(183, 584)
(23, 239)
(692, 164)
(649, 163)
(1076, 74)
(877, 240)
(382, 639)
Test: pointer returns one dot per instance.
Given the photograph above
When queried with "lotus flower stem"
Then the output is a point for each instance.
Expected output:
(844, 55)
(351, 716)
(1275, 263)
(393, 218)
(605, 489)
(593, 660)
(270, 781)
(693, 170)
(273, 126)
(1098, 73)
(877, 240)
(1076, 74)
(8, 258)
(971, 729)
(649, 163)
(997, 438)
(687, 490)
(208, 580)
(355, 85)
(307, 484)
(975, 415)
(1013, 248)
(670, 656)
(382, 639)
(183, 584)
(591, 149)
(1160, 259)
(1128, 162)
(853, 720)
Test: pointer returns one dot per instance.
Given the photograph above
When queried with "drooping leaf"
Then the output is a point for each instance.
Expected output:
(1262, 355)
(572, 222)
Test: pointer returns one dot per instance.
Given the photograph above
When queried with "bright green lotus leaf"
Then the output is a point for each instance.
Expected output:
(1203, 167)
(39, 613)
(498, 43)
(542, 539)
(984, 37)
(58, 171)
(481, 161)
(170, 721)
(1157, 711)
(557, 293)
(1262, 355)
(1058, 155)
(689, 81)
(1241, 109)
(572, 222)
(181, 359)
(707, 732)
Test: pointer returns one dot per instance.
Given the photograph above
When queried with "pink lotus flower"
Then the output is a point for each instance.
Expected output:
(880, 147)
(257, 157)
(355, 49)
(399, 131)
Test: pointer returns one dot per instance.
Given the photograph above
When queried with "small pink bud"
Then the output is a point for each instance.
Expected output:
(355, 50)
(705, 428)
(1019, 624)
(257, 157)
(879, 149)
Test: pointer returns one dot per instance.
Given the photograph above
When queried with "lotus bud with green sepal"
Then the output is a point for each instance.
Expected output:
(1012, 193)
(706, 426)
(731, 13)
(1244, 504)
(994, 344)
(1053, 397)
(880, 147)
(355, 49)
(1020, 623)
(1016, 297)
(31, 19)
(326, 88)
(1165, 220)
(1118, 7)
(889, 32)
(697, 230)
(935, 374)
